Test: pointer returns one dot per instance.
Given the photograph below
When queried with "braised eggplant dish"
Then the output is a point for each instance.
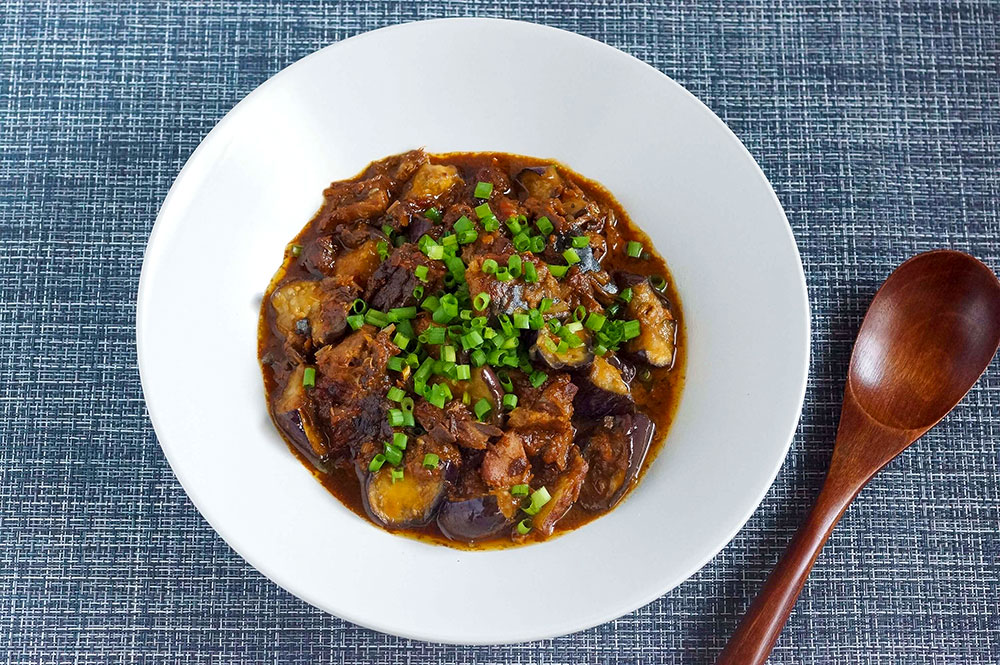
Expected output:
(474, 348)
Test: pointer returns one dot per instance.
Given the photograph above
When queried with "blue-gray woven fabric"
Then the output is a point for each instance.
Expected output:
(878, 124)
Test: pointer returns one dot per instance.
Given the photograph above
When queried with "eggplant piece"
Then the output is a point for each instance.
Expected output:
(431, 182)
(656, 343)
(615, 452)
(573, 358)
(294, 414)
(472, 520)
(564, 494)
(540, 182)
(605, 390)
(414, 499)
(588, 262)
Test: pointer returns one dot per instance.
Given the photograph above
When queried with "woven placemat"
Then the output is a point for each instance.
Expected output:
(878, 124)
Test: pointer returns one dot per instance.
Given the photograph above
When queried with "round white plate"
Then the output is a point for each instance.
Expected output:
(473, 84)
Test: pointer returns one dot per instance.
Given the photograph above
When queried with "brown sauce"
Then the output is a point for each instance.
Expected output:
(657, 396)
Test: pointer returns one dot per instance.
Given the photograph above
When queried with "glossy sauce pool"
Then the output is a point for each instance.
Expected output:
(657, 397)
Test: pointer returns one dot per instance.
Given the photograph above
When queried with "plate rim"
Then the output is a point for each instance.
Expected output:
(186, 173)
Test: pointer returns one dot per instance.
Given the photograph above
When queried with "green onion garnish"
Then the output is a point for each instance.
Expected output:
(490, 223)
(489, 267)
(448, 353)
(395, 363)
(558, 271)
(396, 417)
(483, 190)
(482, 408)
(383, 249)
(433, 214)
(522, 242)
(435, 252)
(376, 463)
(355, 321)
(626, 294)
(393, 455)
(514, 265)
(596, 321)
(395, 394)
(524, 526)
(503, 274)
(397, 474)
(538, 377)
(399, 440)
(530, 274)
(581, 241)
(571, 256)
(514, 225)
(402, 313)
(633, 249)
(538, 244)
(509, 401)
(520, 490)
(421, 273)
(631, 329)
(296, 250)
(462, 372)
(376, 318)
(478, 358)
(431, 461)
(544, 225)
(481, 301)
(309, 377)
(539, 498)
(544, 305)
(658, 282)
(484, 211)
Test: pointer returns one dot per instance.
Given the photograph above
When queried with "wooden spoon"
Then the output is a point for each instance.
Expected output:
(930, 332)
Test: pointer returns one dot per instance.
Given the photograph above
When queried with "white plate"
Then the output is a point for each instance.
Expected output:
(473, 84)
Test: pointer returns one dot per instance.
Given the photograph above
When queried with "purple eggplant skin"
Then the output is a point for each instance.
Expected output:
(615, 452)
(419, 225)
(472, 520)
(410, 502)
(605, 389)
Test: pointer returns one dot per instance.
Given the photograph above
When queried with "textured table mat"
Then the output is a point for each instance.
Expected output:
(878, 125)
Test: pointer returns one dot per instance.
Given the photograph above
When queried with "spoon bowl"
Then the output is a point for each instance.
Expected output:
(929, 334)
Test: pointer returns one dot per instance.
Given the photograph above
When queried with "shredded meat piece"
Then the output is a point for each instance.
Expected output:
(544, 424)
(505, 463)
(393, 281)
(564, 491)
(454, 424)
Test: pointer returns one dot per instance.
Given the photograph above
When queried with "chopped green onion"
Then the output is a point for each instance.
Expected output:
(478, 358)
(355, 321)
(431, 461)
(462, 372)
(376, 463)
(397, 474)
(631, 329)
(483, 211)
(402, 313)
(376, 318)
(489, 267)
(514, 225)
(383, 249)
(538, 244)
(359, 306)
(465, 237)
(520, 490)
(309, 377)
(530, 274)
(393, 455)
(571, 256)
(521, 321)
(401, 340)
(514, 265)
(579, 313)
(388, 230)
(596, 321)
(399, 440)
(471, 340)
(558, 271)
(395, 394)
(539, 498)
(545, 305)
(430, 304)
(524, 526)
(503, 274)
(418, 292)
(421, 273)
(481, 301)
(433, 214)
(396, 417)
(581, 241)
(395, 363)
(483, 190)
(626, 294)
(482, 408)
(490, 223)
(435, 335)
(535, 320)
(544, 225)
(538, 377)
(435, 252)
(463, 224)
(599, 349)
(633, 249)
(407, 404)
(296, 250)
(658, 282)
(509, 401)
(573, 326)
(448, 353)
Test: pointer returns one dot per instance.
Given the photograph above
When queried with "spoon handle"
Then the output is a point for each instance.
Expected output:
(757, 633)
